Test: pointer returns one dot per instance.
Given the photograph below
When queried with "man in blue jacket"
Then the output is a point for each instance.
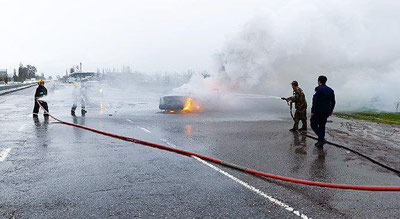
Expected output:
(323, 104)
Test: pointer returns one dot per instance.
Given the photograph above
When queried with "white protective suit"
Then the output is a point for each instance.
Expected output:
(79, 95)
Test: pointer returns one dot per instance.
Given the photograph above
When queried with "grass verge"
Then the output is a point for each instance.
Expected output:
(378, 117)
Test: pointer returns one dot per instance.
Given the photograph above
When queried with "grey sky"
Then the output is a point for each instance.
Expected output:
(170, 35)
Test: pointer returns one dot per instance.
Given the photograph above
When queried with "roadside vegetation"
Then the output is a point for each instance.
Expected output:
(378, 117)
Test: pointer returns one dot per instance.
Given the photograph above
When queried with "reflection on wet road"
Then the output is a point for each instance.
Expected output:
(48, 169)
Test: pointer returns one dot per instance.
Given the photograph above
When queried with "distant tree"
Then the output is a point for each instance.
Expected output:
(26, 72)
(15, 76)
(205, 74)
(31, 71)
(50, 78)
(126, 69)
(22, 73)
(4, 76)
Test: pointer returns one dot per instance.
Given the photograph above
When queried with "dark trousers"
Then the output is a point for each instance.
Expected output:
(36, 107)
(300, 115)
(318, 123)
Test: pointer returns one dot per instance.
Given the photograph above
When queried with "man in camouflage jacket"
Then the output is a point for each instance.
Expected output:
(299, 99)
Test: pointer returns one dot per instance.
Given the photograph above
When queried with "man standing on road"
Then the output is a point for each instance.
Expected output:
(299, 99)
(41, 91)
(322, 107)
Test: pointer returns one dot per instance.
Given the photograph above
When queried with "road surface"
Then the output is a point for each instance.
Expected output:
(49, 170)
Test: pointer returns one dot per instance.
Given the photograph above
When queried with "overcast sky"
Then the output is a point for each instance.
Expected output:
(155, 35)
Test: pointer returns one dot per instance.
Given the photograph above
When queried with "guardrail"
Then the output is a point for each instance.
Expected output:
(5, 89)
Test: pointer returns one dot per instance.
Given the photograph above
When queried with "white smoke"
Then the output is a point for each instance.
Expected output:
(354, 43)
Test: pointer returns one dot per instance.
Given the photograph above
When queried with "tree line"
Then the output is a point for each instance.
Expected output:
(24, 73)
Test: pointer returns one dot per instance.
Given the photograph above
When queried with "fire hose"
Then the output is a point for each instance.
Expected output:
(230, 165)
(397, 172)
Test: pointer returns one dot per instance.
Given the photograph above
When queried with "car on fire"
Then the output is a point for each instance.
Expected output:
(179, 104)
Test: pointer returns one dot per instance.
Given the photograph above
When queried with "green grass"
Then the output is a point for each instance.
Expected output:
(378, 117)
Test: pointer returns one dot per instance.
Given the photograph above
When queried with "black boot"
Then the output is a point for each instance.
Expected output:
(73, 113)
(320, 144)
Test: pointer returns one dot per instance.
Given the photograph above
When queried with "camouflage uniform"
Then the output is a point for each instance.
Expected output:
(299, 99)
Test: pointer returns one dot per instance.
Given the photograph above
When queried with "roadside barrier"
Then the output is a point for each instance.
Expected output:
(10, 89)
(230, 165)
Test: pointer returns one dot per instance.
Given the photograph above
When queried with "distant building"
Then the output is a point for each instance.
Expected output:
(76, 74)
(83, 75)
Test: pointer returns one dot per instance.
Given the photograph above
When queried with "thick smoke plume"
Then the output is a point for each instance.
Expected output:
(354, 43)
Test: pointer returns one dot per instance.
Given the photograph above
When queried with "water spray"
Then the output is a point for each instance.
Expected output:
(255, 96)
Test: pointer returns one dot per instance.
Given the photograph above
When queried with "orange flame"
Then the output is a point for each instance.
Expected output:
(191, 105)
(188, 105)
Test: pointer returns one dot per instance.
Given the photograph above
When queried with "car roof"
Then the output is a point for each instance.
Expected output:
(171, 96)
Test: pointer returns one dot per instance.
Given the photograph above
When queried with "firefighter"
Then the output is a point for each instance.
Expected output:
(41, 91)
(79, 95)
(322, 107)
(299, 99)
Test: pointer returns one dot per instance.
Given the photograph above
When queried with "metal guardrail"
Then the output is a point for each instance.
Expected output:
(14, 87)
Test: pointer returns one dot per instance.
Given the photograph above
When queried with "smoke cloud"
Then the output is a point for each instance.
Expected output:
(354, 43)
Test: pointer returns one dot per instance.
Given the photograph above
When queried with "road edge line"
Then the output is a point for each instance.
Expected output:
(255, 190)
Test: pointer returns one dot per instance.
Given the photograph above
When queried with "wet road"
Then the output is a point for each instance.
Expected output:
(49, 170)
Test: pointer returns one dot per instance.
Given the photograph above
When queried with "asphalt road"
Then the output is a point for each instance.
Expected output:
(49, 170)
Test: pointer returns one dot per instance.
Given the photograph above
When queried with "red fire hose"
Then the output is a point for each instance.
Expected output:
(217, 161)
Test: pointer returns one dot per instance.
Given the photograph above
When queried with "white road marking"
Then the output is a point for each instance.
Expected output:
(257, 191)
(168, 143)
(4, 154)
(145, 130)
(21, 128)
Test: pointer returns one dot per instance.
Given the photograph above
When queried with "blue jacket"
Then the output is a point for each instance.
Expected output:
(323, 100)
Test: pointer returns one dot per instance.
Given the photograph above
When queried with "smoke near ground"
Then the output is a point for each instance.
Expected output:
(354, 43)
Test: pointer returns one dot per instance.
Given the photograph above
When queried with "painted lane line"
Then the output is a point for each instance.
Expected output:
(145, 130)
(257, 191)
(4, 154)
(171, 145)
(168, 143)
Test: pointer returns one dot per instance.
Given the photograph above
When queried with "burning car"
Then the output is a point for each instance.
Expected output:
(179, 104)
